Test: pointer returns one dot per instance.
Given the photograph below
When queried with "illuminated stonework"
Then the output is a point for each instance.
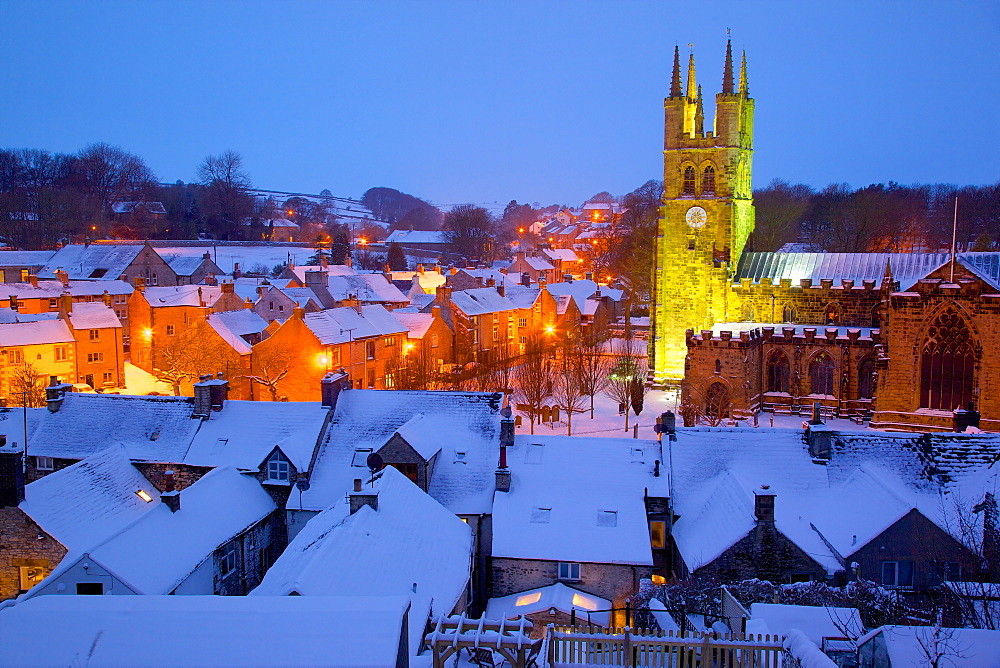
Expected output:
(707, 213)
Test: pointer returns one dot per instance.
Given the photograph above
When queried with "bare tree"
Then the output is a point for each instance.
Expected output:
(191, 353)
(111, 174)
(228, 201)
(567, 390)
(415, 370)
(271, 365)
(628, 371)
(472, 232)
(531, 380)
(27, 385)
(594, 366)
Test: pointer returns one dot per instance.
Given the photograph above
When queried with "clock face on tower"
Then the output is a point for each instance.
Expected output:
(696, 217)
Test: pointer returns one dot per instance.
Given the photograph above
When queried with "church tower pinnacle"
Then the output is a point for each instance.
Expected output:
(675, 80)
(744, 82)
(692, 84)
(727, 71)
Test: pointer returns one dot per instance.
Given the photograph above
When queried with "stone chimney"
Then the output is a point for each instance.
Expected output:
(210, 279)
(228, 289)
(11, 474)
(491, 282)
(54, 395)
(63, 277)
(236, 271)
(66, 303)
(170, 497)
(589, 275)
(33, 279)
(567, 278)
(210, 395)
(106, 298)
(360, 498)
(502, 289)
(526, 279)
(443, 295)
(763, 504)
(331, 386)
(140, 283)
(13, 302)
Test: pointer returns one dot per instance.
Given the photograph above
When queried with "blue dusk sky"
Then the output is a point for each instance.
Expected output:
(486, 102)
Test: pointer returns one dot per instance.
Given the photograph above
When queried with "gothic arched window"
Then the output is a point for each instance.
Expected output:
(876, 316)
(708, 181)
(718, 366)
(777, 373)
(866, 378)
(747, 313)
(821, 374)
(832, 313)
(717, 401)
(788, 313)
(947, 364)
(689, 180)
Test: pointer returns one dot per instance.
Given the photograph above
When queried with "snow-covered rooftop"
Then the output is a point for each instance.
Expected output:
(151, 428)
(51, 289)
(577, 499)
(35, 333)
(583, 290)
(416, 324)
(480, 301)
(815, 621)
(93, 316)
(411, 539)
(243, 433)
(156, 553)
(92, 261)
(466, 425)
(24, 258)
(366, 287)
(83, 504)
(355, 631)
(184, 265)
(232, 326)
(182, 295)
(416, 237)
(345, 324)
(558, 596)
(916, 645)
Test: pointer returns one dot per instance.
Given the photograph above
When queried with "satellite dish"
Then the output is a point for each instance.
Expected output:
(302, 485)
(375, 462)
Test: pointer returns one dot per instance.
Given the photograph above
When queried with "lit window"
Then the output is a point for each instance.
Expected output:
(31, 575)
(44, 464)
(434, 340)
(585, 602)
(53, 303)
(389, 341)
(570, 572)
(657, 535)
(95, 334)
(95, 357)
(277, 468)
(528, 599)
(15, 357)
(107, 378)
(522, 322)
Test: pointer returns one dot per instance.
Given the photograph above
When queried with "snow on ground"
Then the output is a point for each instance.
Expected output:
(608, 423)
(138, 381)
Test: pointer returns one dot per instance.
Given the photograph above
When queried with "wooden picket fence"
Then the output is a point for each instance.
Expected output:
(655, 649)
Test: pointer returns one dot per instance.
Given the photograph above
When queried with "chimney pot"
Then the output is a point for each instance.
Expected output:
(357, 484)
(33, 279)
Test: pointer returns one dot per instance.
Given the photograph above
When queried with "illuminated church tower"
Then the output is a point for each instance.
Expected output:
(707, 212)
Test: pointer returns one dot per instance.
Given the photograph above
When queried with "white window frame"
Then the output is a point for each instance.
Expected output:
(569, 572)
(279, 470)
(228, 563)
(44, 463)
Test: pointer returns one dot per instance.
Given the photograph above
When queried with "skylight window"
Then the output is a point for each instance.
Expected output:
(533, 455)
(607, 518)
(361, 457)
(528, 599)
(540, 515)
(637, 455)
(460, 456)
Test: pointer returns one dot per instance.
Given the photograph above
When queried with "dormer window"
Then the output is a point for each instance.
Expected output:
(278, 469)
